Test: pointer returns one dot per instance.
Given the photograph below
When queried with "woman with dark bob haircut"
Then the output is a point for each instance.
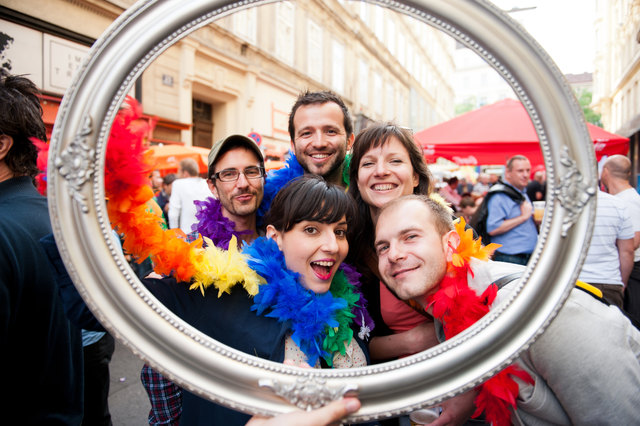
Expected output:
(309, 198)
(300, 258)
(386, 163)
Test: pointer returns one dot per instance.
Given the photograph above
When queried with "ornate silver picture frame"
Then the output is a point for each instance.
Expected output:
(243, 382)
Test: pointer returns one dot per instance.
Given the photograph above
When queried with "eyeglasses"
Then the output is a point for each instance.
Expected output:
(231, 175)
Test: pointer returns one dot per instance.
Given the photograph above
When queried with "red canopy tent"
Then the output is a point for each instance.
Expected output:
(492, 134)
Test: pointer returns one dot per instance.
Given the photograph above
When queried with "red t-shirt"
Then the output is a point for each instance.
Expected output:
(398, 315)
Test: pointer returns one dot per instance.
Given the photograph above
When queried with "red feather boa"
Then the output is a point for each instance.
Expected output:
(458, 307)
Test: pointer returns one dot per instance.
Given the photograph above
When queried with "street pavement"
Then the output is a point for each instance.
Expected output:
(128, 402)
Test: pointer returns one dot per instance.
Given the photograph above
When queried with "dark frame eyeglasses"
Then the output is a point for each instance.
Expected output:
(231, 175)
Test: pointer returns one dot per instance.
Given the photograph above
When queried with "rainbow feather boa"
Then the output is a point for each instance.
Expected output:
(126, 186)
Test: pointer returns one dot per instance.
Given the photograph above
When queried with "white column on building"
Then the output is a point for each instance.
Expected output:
(185, 95)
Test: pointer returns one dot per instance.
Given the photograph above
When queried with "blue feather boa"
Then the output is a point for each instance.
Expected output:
(311, 315)
(276, 180)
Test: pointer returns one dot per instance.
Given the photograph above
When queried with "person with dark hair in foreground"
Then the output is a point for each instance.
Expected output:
(41, 351)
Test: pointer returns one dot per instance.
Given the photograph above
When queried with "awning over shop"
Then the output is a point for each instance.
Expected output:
(167, 157)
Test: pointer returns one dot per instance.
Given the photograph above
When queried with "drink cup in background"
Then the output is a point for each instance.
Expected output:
(424, 416)
(538, 210)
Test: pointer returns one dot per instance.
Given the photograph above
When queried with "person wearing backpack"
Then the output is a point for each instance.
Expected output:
(510, 214)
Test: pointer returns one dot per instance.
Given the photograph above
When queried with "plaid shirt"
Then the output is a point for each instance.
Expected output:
(192, 236)
(164, 395)
(165, 398)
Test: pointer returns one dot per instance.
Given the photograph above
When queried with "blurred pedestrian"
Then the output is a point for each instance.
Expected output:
(510, 222)
(537, 188)
(615, 176)
(467, 207)
(156, 181)
(464, 187)
(189, 187)
(610, 256)
(162, 196)
(482, 186)
(450, 193)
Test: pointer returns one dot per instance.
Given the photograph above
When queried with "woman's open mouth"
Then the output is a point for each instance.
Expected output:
(322, 268)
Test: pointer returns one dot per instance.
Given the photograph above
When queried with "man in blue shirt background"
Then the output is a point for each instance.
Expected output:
(511, 223)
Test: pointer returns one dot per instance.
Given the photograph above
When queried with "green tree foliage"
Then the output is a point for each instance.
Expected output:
(466, 106)
(584, 99)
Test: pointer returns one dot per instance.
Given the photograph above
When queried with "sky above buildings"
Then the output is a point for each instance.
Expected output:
(564, 28)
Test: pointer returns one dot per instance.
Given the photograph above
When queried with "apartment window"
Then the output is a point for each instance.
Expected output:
(284, 31)
(337, 66)
(391, 37)
(245, 24)
(414, 105)
(378, 28)
(410, 59)
(402, 45)
(364, 12)
(424, 82)
(390, 103)
(377, 92)
(314, 50)
(363, 82)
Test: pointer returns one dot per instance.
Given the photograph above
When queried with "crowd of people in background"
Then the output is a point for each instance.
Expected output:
(345, 205)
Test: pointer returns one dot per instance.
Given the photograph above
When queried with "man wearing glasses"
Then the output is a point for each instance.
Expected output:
(236, 179)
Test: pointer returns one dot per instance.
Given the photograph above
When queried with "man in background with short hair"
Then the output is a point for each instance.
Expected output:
(610, 256)
(511, 223)
(321, 133)
(187, 188)
(615, 176)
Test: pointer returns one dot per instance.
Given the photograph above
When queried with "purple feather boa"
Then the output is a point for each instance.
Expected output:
(212, 224)
(362, 317)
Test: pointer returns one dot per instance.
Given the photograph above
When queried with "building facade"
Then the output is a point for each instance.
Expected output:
(476, 83)
(617, 71)
(242, 73)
